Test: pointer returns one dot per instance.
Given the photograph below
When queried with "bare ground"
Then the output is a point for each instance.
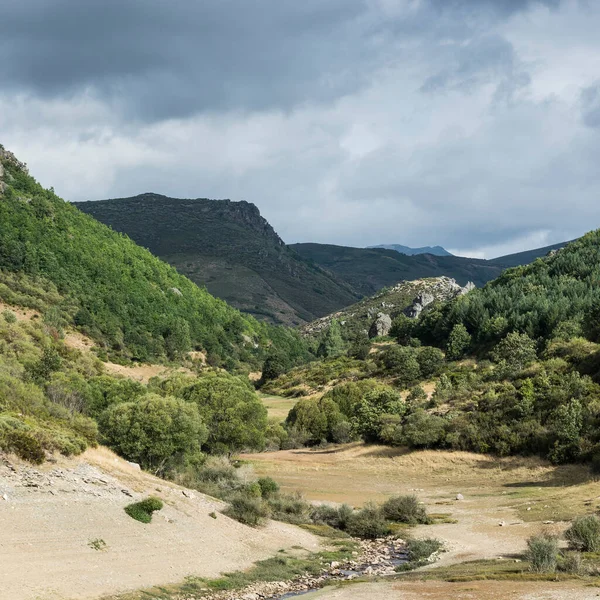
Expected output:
(50, 515)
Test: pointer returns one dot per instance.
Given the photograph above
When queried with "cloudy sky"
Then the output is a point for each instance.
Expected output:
(474, 124)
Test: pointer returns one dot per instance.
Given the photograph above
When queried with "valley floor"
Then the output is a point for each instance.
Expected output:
(505, 501)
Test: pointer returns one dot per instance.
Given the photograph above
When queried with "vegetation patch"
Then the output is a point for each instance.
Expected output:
(142, 511)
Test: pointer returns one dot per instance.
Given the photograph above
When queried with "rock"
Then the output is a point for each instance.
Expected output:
(460, 497)
(381, 326)
(134, 466)
(335, 564)
(5, 497)
(176, 291)
(502, 524)
(127, 493)
(188, 494)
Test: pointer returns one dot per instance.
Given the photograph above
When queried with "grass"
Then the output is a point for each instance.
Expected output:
(277, 407)
(142, 511)
(98, 544)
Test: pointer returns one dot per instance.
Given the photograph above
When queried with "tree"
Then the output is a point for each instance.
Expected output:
(422, 430)
(155, 432)
(431, 361)
(403, 329)
(459, 342)
(275, 364)
(383, 400)
(516, 350)
(402, 362)
(177, 338)
(235, 416)
(331, 344)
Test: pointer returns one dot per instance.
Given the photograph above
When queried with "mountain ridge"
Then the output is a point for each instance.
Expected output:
(435, 250)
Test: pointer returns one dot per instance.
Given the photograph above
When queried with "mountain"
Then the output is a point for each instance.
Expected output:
(77, 270)
(368, 270)
(524, 258)
(435, 250)
(232, 250)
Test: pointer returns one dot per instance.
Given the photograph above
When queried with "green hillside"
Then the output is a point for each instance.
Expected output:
(524, 258)
(131, 303)
(229, 248)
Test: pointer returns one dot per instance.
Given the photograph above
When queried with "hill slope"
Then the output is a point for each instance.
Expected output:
(435, 250)
(130, 302)
(229, 248)
(370, 269)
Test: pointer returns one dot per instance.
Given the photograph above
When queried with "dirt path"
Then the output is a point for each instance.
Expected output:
(50, 515)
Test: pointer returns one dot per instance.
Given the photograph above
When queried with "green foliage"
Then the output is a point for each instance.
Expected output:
(403, 329)
(542, 553)
(268, 487)
(516, 351)
(404, 509)
(9, 316)
(333, 516)
(156, 432)
(142, 511)
(459, 342)
(234, 415)
(367, 523)
(371, 411)
(420, 550)
(275, 365)
(247, 510)
(584, 534)
(130, 302)
(423, 430)
(431, 361)
(402, 363)
(331, 344)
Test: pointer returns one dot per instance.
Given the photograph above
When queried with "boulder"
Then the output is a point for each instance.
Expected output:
(381, 326)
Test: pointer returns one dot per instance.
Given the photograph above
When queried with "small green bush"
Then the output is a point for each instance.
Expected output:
(404, 509)
(248, 510)
(334, 516)
(290, 508)
(142, 511)
(25, 446)
(368, 523)
(584, 534)
(268, 487)
(421, 550)
(542, 553)
(9, 316)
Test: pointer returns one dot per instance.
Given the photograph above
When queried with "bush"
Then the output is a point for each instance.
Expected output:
(334, 516)
(571, 562)
(584, 534)
(247, 510)
(421, 550)
(404, 509)
(268, 487)
(290, 508)
(368, 523)
(25, 446)
(142, 511)
(9, 316)
(542, 553)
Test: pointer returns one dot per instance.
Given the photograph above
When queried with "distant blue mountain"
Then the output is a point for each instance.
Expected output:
(435, 250)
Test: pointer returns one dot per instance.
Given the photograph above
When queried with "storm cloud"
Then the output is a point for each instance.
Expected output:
(474, 124)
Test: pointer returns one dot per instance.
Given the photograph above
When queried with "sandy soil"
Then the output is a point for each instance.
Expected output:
(475, 590)
(49, 515)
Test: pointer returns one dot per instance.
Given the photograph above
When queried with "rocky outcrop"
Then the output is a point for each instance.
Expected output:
(441, 289)
(381, 326)
(8, 157)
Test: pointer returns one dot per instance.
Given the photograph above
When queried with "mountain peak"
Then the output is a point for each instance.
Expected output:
(435, 250)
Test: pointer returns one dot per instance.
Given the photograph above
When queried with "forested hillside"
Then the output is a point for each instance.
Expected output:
(229, 248)
(512, 368)
(131, 303)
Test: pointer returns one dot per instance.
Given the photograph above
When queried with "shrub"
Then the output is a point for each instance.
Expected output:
(584, 534)
(571, 562)
(404, 509)
(422, 550)
(459, 342)
(334, 516)
(268, 487)
(25, 446)
(9, 316)
(142, 511)
(247, 510)
(367, 523)
(542, 553)
(431, 361)
(290, 508)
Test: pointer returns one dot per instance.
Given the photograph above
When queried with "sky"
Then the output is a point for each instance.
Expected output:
(472, 124)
